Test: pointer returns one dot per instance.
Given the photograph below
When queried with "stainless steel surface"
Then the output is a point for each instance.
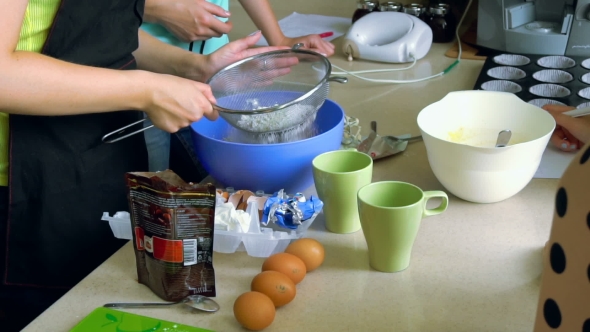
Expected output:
(393, 139)
(198, 302)
(365, 145)
(503, 138)
(260, 100)
(123, 132)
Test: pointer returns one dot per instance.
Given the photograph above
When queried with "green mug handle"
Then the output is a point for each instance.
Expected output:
(441, 208)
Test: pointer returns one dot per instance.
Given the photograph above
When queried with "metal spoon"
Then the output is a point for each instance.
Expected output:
(503, 138)
(392, 140)
(578, 112)
(199, 302)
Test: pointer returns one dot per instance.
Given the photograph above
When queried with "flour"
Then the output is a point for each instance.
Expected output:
(277, 120)
(307, 129)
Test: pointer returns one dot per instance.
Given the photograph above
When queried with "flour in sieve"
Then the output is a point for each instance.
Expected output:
(277, 120)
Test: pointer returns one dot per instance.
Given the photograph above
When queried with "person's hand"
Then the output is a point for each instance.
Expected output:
(311, 42)
(241, 49)
(188, 20)
(173, 103)
(570, 133)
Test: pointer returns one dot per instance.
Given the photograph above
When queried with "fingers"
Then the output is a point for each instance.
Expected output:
(220, 28)
(258, 50)
(557, 108)
(574, 125)
(564, 140)
(208, 111)
(317, 44)
(215, 9)
(570, 133)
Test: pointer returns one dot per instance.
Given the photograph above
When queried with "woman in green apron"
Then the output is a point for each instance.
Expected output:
(73, 71)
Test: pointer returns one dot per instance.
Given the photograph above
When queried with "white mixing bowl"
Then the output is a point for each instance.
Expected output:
(460, 133)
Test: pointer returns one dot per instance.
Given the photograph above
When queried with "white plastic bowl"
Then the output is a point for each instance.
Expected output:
(460, 132)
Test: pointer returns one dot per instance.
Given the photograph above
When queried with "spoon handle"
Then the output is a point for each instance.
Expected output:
(578, 112)
(139, 305)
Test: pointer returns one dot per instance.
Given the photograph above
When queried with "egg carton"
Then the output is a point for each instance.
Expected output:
(259, 241)
(538, 79)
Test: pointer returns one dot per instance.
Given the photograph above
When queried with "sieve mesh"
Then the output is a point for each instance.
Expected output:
(273, 91)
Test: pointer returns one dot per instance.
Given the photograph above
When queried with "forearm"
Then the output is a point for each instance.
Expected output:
(265, 20)
(152, 10)
(34, 84)
(156, 56)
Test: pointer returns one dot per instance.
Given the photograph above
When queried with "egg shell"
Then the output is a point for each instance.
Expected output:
(276, 285)
(288, 264)
(254, 311)
(310, 251)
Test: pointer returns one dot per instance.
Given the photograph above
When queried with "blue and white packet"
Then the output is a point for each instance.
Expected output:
(290, 212)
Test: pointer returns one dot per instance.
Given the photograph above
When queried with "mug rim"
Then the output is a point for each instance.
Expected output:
(315, 159)
(366, 187)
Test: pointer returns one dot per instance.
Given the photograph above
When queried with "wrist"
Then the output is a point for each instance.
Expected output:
(195, 67)
(276, 39)
(140, 94)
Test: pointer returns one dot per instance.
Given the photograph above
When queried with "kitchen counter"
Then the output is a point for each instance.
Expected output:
(475, 267)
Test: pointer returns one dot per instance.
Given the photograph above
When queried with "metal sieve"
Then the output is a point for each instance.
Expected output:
(273, 91)
(269, 92)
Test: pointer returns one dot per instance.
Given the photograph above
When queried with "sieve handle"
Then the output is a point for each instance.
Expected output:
(121, 133)
(339, 79)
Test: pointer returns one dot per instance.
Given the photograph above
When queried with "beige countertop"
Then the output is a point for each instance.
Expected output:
(475, 267)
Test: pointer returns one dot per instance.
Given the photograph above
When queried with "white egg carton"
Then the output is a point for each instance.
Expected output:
(259, 241)
(120, 224)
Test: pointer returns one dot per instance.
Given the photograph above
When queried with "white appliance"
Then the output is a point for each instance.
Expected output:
(388, 37)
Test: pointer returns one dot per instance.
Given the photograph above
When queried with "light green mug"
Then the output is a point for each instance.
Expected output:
(390, 214)
(338, 175)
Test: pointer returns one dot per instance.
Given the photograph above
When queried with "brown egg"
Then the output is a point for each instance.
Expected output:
(310, 251)
(254, 311)
(277, 286)
(288, 264)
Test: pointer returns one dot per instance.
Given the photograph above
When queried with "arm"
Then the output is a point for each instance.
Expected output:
(264, 18)
(35, 84)
(156, 56)
(188, 20)
(570, 133)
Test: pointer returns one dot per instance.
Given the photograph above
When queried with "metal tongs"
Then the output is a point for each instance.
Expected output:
(122, 133)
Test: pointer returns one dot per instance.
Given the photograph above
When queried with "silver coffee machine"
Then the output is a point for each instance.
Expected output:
(552, 27)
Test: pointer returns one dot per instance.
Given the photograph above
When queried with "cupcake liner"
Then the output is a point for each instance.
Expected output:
(550, 90)
(585, 78)
(556, 62)
(540, 102)
(506, 73)
(584, 105)
(586, 64)
(500, 85)
(511, 60)
(553, 76)
(584, 93)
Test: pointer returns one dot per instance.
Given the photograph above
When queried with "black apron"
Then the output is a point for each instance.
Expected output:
(62, 177)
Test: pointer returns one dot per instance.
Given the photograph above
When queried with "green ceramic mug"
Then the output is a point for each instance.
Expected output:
(390, 214)
(338, 175)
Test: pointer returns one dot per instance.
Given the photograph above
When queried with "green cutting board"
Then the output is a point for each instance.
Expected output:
(109, 320)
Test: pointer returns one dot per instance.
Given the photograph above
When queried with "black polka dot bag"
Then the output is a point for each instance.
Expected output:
(564, 300)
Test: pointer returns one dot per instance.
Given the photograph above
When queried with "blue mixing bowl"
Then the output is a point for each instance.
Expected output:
(268, 167)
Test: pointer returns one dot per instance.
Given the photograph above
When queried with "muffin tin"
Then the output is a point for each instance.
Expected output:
(538, 79)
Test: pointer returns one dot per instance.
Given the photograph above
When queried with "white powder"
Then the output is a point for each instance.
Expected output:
(276, 121)
(304, 130)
